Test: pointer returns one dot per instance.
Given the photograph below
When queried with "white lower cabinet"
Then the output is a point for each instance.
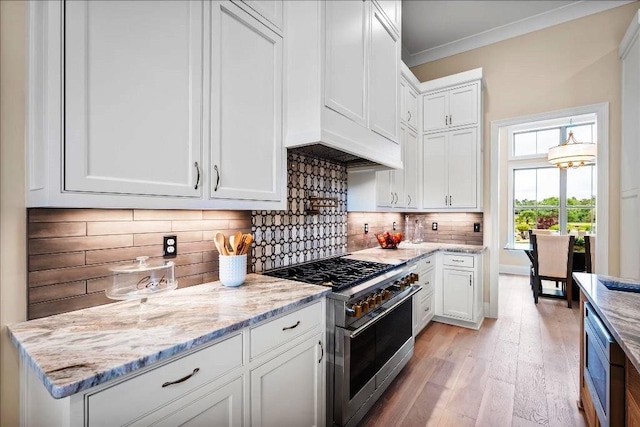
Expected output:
(219, 385)
(212, 405)
(284, 391)
(457, 294)
(424, 302)
(459, 290)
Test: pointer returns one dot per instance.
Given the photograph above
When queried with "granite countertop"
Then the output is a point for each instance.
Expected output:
(74, 351)
(411, 252)
(619, 310)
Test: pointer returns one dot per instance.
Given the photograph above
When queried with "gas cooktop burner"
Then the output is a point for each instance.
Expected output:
(338, 273)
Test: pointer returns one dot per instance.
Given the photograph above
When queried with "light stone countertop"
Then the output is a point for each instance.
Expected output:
(619, 311)
(78, 350)
(411, 252)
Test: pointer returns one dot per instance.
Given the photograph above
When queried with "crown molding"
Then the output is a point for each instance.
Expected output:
(541, 21)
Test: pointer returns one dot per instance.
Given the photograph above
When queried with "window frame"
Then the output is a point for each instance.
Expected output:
(539, 161)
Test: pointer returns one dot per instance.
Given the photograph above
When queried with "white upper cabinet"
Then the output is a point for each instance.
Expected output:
(450, 170)
(343, 71)
(411, 168)
(451, 108)
(383, 77)
(246, 107)
(347, 27)
(393, 10)
(408, 105)
(271, 10)
(133, 97)
(163, 104)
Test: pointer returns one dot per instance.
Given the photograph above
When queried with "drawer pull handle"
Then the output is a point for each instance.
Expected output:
(291, 327)
(181, 380)
(457, 260)
(322, 351)
(428, 282)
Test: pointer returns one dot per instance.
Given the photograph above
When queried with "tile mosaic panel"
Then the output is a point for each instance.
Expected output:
(289, 237)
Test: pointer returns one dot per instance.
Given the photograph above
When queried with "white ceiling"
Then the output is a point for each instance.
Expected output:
(435, 29)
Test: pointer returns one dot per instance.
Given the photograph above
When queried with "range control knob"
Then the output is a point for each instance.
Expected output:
(387, 294)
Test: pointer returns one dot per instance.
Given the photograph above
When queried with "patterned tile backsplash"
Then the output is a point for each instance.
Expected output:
(71, 250)
(289, 237)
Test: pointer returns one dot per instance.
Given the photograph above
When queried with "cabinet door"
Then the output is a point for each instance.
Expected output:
(133, 97)
(246, 106)
(392, 9)
(411, 172)
(271, 10)
(434, 171)
(211, 405)
(435, 111)
(384, 57)
(346, 29)
(384, 194)
(463, 105)
(629, 247)
(629, 176)
(457, 294)
(461, 160)
(288, 390)
(411, 100)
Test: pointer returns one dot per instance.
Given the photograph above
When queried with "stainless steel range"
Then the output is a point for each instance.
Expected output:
(369, 329)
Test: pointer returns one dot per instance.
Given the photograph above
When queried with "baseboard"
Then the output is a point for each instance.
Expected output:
(521, 270)
(456, 322)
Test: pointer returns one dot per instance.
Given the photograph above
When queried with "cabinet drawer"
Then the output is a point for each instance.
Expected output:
(279, 331)
(428, 280)
(131, 399)
(458, 260)
(426, 263)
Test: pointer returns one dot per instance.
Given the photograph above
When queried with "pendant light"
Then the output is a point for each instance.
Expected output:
(572, 154)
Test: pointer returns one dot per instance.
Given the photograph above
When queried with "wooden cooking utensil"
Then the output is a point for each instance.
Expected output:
(221, 244)
(246, 243)
(237, 242)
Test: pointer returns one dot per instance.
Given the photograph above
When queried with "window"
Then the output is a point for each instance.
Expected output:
(543, 196)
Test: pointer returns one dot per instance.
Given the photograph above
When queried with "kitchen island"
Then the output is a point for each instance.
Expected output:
(95, 361)
(619, 311)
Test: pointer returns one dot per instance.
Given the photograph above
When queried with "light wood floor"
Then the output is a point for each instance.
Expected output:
(518, 370)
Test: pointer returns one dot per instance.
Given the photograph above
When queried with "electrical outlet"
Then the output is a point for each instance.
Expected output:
(366, 228)
(394, 226)
(434, 226)
(170, 246)
(476, 227)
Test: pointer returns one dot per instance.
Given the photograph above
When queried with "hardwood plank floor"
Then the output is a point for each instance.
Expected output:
(518, 370)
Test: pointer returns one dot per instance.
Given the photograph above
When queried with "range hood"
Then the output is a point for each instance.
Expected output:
(325, 152)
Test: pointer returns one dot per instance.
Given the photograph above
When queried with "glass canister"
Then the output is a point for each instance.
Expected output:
(142, 279)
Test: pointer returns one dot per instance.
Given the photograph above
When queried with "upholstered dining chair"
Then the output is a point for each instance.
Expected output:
(552, 260)
(590, 253)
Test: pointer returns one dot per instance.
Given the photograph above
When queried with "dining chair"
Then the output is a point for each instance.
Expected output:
(552, 260)
(590, 253)
(543, 231)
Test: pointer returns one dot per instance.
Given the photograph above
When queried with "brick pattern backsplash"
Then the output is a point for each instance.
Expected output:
(71, 250)
(452, 227)
(293, 236)
(357, 239)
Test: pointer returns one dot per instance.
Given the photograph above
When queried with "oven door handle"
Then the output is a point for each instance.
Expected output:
(414, 290)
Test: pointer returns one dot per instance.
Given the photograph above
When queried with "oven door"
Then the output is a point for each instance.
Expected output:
(364, 357)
